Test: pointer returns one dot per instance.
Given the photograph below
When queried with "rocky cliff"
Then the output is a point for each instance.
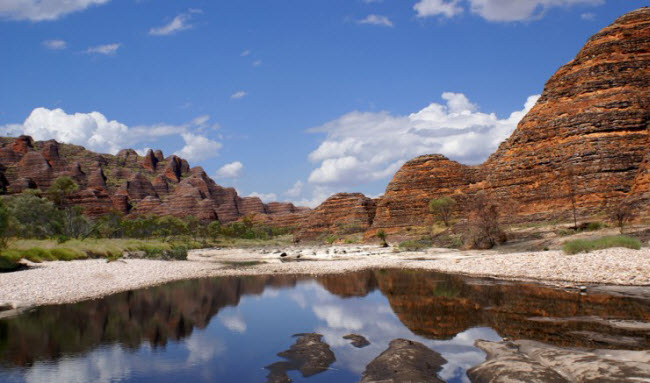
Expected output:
(585, 139)
(342, 213)
(129, 183)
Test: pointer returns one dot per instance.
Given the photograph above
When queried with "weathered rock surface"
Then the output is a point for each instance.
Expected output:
(530, 361)
(342, 213)
(309, 355)
(406, 200)
(128, 183)
(586, 138)
(358, 341)
(404, 361)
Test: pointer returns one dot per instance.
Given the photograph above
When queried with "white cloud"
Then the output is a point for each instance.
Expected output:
(499, 10)
(179, 23)
(588, 16)
(257, 63)
(376, 20)
(41, 10)
(107, 49)
(198, 148)
(95, 132)
(268, 197)
(447, 8)
(319, 193)
(55, 44)
(362, 147)
(233, 322)
(496, 10)
(295, 190)
(231, 170)
(245, 53)
(238, 95)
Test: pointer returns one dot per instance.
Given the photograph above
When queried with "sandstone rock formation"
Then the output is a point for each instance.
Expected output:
(529, 361)
(342, 213)
(585, 139)
(129, 183)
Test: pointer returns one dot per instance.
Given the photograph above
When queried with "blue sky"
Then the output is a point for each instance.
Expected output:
(292, 100)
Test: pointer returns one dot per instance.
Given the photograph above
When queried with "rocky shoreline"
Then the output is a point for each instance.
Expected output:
(67, 282)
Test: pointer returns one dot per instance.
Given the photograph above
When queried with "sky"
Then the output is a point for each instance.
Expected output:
(288, 100)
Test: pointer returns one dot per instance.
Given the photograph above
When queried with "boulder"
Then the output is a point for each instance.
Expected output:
(404, 361)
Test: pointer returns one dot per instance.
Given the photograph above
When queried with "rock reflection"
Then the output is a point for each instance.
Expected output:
(431, 305)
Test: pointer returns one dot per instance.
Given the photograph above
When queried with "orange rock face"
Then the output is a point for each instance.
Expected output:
(585, 139)
(406, 200)
(343, 213)
(127, 183)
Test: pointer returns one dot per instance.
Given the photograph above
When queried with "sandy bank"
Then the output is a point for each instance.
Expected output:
(65, 282)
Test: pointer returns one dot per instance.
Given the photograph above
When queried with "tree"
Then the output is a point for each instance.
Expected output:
(622, 213)
(4, 225)
(59, 193)
(193, 226)
(61, 190)
(214, 229)
(483, 223)
(443, 208)
(33, 217)
(382, 238)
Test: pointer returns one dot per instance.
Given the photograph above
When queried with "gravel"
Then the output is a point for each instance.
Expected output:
(66, 282)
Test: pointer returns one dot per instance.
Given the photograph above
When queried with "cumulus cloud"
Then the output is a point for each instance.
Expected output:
(231, 170)
(41, 10)
(198, 148)
(496, 10)
(107, 49)
(257, 63)
(363, 146)
(245, 53)
(95, 132)
(379, 20)
(238, 95)
(265, 197)
(296, 189)
(179, 23)
(499, 10)
(426, 8)
(55, 44)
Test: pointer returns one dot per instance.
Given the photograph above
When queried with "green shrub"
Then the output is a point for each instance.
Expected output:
(412, 245)
(584, 245)
(330, 239)
(63, 254)
(178, 253)
(8, 263)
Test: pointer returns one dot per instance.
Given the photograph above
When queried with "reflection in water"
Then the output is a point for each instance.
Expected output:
(167, 332)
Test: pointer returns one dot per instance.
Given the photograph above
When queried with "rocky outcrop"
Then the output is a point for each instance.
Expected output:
(529, 361)
(343, 213)
(128, 183)
(309, 355)
(405, 202)
(584, 140)
(405, 361)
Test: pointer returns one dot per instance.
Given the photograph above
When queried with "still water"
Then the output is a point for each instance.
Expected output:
(229, 329)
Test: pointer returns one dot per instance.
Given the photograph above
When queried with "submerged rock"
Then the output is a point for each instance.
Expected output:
(358, 341)
(309, 355)
(530, 361)
(404, 361)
